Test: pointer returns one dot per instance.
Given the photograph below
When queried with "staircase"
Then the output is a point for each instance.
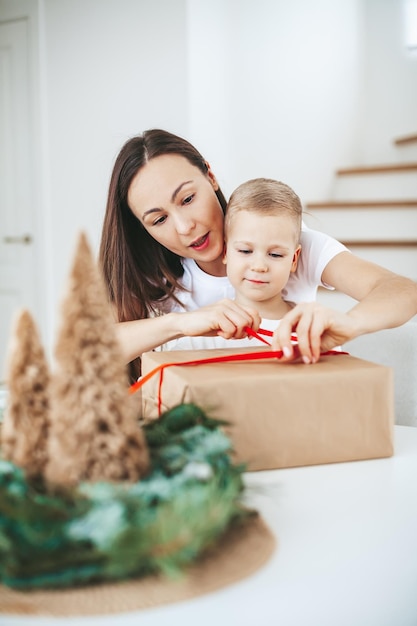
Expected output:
(374, 213)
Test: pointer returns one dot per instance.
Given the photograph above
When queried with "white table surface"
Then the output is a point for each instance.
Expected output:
(346, 555)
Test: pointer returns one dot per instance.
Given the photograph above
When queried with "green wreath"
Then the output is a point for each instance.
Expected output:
(107, 531)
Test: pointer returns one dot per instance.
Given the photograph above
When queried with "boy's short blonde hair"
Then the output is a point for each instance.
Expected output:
(265, 196)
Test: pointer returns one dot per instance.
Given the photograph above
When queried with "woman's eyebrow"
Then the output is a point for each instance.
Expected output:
(174, 195)
(178, 189)
(155, 210)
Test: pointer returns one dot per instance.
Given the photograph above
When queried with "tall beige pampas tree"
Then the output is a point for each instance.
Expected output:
(25, 426)
(94, 432)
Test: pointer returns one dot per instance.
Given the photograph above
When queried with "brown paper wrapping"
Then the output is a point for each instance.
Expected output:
(284, 415)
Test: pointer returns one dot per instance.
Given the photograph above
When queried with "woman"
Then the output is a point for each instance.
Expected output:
(161, 253)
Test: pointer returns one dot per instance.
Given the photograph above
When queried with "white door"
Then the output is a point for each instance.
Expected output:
(17, 219)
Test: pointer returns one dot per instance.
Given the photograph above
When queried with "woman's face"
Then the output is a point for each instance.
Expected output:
(177, 205)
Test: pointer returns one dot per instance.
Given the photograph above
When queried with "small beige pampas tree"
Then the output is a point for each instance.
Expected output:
(25, 426)
(94, 432)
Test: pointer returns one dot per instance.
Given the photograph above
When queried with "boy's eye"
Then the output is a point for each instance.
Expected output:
(244, 251)
(276, 255)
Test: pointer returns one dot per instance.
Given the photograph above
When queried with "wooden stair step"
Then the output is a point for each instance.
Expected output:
(377, 169)
(387, 243)
(362, 204)
(406, 139)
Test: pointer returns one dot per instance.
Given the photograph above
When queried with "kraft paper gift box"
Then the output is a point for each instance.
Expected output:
(283, 415)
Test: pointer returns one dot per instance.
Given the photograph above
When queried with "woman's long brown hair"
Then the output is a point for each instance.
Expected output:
(140, 273)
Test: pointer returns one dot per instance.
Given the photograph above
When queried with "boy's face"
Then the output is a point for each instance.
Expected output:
(261, 252)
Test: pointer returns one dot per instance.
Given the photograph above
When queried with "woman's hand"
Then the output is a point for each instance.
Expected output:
(318, 329)
(225, 319)
(384, 300)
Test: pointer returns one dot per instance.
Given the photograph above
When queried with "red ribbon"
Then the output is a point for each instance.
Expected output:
(261, 331)
(244, 356)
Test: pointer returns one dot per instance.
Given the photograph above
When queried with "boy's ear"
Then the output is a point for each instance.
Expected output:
(212, 177)
(295, 258)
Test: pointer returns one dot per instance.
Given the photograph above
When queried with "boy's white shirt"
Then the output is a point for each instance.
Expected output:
(202, 289)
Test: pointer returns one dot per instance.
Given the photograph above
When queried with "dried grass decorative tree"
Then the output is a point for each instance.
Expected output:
(94, 432)
(25, 426)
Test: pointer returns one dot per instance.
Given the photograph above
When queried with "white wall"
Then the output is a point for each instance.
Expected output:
(283, 88)
(388, 107)
(111, 69)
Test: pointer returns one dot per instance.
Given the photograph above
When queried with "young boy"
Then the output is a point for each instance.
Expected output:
(262, 234)
(262, 245)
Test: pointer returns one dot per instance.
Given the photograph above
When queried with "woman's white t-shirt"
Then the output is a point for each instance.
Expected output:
(201, 289)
